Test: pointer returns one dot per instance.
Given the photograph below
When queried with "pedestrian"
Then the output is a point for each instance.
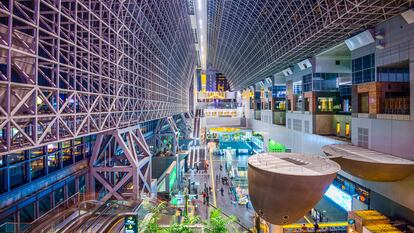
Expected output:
(222, 191)
(204, 197)
(221, 167)
(247, 205)
(207, 199)
(304, 228)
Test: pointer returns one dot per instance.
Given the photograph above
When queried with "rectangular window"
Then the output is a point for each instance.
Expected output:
(53, 162)
(325, 104)
(18, 175)
(363, 69)
(37, 168)
(59, 195)
(44, 204)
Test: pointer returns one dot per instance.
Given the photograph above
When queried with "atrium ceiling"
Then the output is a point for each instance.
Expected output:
(253, 39)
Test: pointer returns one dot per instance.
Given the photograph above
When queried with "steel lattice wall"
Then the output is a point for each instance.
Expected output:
(70, 68)
(251, 40)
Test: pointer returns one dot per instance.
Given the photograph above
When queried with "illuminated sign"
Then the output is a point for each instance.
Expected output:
(173, 177)
(339, 197)
(131, 224)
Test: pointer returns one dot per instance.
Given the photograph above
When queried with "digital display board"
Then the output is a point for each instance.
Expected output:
(339, 197)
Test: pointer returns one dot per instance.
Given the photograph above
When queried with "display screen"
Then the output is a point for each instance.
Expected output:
(339, 197)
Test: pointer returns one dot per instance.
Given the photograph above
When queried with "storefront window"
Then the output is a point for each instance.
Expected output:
(37, 168)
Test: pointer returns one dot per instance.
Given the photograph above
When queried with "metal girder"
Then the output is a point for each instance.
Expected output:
(121, 164)
(166, 133)
(72, 68)
(251, 40)
(183, 124)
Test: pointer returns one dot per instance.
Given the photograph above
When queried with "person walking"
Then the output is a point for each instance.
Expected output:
(204, 197)
(207, 199)
(222, 191)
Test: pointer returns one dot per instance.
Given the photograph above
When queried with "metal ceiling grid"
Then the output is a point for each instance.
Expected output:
(253, 39)
(71, 68)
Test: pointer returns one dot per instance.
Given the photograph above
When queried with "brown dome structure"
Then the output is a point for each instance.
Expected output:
(368, 164)
(283, 187)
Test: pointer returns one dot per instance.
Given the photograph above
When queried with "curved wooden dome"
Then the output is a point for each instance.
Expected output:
(283, 187)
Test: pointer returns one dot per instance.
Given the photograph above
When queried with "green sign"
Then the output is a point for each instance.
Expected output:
(131, 224)
(276, 147)
(173, 177)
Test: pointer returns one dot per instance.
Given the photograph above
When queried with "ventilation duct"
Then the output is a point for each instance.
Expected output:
(362, 39)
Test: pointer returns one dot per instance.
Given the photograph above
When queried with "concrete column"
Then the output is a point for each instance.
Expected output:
(275, 228)
(412, 89)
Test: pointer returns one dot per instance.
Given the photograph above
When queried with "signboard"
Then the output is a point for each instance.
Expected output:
(339, 197)
(131, 224)
(173, 177)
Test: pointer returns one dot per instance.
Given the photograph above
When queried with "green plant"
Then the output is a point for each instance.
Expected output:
(183, 227)
(151, 224)
(219, 224)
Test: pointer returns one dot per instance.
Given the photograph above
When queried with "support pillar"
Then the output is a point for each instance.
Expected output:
(120, 159)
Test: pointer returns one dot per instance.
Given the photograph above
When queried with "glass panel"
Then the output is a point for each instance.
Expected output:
(325, 104)
(53, 147)
(16, 157)
(53, 162)
(18, 175)
(67, 157)
(27, 214)
(3, 180)
(66, 144)
(78, 153)
(44, 204)
(59, 195)
(37, 168)
(82, 187)
(71, 188)
(37, 152)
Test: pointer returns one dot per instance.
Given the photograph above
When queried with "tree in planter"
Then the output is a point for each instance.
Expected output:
(218, 224)
(183, 227)
(151, 225)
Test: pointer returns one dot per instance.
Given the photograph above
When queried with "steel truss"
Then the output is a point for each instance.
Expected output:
(70, 68)
(166, 135)
(251, 40)
(184, 125)
(121, 165)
